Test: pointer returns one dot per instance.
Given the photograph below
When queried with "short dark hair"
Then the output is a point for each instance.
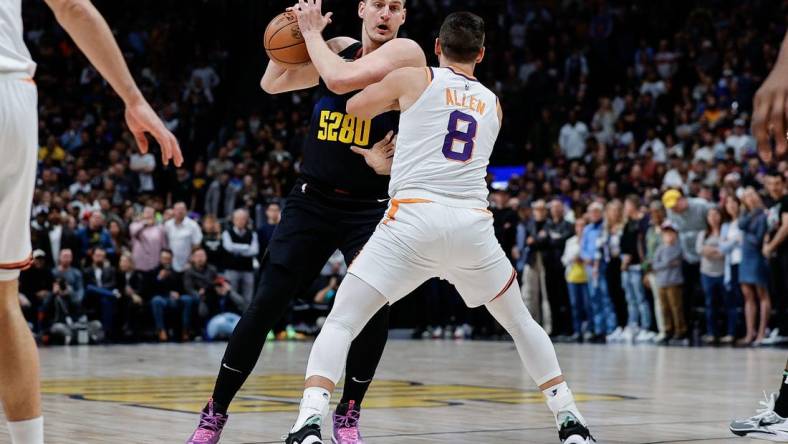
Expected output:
(462, 36)
(773, 172)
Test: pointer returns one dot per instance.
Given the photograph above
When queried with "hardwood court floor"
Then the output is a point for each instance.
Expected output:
(425, 392)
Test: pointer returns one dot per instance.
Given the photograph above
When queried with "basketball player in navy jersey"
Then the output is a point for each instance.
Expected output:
(336, 204)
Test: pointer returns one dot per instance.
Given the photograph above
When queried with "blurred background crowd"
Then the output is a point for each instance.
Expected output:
(625, 185)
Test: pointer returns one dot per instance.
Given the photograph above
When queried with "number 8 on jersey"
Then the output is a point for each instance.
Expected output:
(456, 136)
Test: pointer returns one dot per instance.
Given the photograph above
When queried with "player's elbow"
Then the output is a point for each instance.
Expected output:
(338, 84)
(355, 108)
(268, 86)
(339, 87)
(70, 9)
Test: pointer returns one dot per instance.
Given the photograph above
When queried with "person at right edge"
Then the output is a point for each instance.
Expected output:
(337, 203)
(769, 123)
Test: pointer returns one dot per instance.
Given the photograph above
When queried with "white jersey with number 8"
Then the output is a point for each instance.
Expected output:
(437, 224)
(445, 141)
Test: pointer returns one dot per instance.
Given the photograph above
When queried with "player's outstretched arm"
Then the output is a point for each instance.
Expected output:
(769, 112)
(341, 76)
(278, 79)
(92, 35)
(397, 91)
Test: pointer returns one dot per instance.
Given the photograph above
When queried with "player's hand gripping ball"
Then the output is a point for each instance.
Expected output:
(284, 43)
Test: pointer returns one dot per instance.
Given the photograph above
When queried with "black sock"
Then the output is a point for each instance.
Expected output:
(781, 404)
(353, 391)
(217, 408)
(364, 356)
(342, 408)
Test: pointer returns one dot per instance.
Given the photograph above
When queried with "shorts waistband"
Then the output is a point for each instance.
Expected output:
(335, 199)
(16, 76)
(449, 201)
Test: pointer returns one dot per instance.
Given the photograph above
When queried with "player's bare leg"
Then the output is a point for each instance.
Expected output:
(19, 369)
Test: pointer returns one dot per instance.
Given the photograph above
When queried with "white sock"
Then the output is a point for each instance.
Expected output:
(27, 432)
(314, 402)
(557, 391)
(560, 398)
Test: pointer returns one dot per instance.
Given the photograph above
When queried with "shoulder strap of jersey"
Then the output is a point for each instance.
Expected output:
(351, 52)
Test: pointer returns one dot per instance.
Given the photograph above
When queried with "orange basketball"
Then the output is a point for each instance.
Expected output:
(284, 43)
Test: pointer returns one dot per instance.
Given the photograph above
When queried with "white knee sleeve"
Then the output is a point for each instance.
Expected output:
(534, 346)
(329, 352)
(356, 303)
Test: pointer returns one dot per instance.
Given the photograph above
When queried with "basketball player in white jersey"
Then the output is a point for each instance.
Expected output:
(437, 225)
(19, 381)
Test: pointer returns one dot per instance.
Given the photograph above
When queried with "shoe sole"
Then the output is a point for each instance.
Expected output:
(333, 439)
(578, 440)
(764, 436)
(768, 437)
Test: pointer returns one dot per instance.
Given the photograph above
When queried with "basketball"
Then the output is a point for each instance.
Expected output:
(284, 43)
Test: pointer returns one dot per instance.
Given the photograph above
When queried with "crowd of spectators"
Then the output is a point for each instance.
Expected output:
(642, 211)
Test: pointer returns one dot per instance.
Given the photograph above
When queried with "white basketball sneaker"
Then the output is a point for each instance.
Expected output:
(766, 424)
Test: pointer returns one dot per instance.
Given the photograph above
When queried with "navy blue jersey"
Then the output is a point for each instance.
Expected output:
(328, 160)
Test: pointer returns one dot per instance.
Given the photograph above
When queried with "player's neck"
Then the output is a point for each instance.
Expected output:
(367, 44)
(466, 69)
(462, 68)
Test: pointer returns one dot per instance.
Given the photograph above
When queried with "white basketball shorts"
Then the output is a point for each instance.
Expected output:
(420, 239)
(18, 157)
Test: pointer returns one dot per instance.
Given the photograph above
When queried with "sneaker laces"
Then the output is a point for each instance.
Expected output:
(568, 420)
(570, 425)
(347, 424)
(768, 406)
(210, 423)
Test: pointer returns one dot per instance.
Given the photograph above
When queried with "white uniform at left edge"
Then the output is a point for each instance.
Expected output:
(18, 141)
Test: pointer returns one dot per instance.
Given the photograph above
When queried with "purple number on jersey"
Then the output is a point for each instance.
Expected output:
(466, 137)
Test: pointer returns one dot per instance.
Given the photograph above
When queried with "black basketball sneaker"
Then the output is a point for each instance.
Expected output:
(309, 433)
(571, 430)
